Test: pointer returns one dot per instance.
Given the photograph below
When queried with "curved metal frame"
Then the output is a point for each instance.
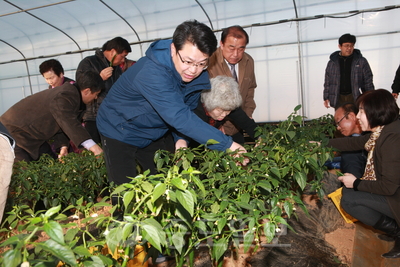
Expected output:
(26, 64)
(130, 26)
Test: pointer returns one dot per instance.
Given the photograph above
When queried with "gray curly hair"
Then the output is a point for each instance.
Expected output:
(224, 94)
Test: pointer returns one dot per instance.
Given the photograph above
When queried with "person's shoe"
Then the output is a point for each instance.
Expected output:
(395, 251)
(390, 227)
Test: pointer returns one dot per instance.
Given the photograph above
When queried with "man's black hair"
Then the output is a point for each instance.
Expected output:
(347, 38)
(92, 80)
(119, 44)
(196, 33)
(235, 31)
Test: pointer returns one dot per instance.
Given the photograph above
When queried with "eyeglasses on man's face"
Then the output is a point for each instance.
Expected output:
(337, 124)
(203, 65)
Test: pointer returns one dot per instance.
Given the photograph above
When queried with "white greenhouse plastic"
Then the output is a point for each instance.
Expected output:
(290, 40)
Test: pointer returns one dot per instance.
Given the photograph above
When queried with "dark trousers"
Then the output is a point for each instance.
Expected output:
(91, 127)
(365, 207)
(22, 154)
(122, 159)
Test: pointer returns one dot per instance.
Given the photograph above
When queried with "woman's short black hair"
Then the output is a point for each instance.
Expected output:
(379, 106)
(51, 64)
(196, 33)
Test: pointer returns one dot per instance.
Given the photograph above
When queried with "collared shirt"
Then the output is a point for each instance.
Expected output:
(236, 68)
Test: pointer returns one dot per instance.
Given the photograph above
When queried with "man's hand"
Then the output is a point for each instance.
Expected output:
(327, 103)
(63, 151)
(106, 73)
(237, 147)
(395, 95)
(96, 149)
(180, 144)
(347, 179)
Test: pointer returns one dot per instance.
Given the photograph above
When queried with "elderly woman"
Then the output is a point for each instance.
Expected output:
(223, 102)
(374, 199)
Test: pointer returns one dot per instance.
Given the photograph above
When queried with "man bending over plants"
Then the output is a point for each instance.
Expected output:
(53, 115)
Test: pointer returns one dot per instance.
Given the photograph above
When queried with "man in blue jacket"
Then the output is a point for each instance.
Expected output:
(156, 95)
(346, 73)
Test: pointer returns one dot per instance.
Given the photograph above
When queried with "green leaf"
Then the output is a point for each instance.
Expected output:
(223, 206)
(54, 231)
(269, 231)
(12, 258)
(212, 142)
(288, 208)
(298, 119)
(201, 225)
(159, 190)
(127, 230)
(219, 248)
(215, 208)
(245, 197)
(248, 240)
(265, 185)
(297, 108)
(275, 171)
(301, 179)
(95, 262)
(113, 238)
(185, 198)
(179, 183)
(199, 184)
(81, 250)
(64, 253)
(291, 134)
(148, 187)
(152, 231)
(11, 241)
(244, 205)
(52, 211)
(221, 223)
(127, 198)
(313, 163)
(178, 241)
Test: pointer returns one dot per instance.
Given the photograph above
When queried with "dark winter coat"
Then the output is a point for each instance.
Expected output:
(386, 157)
(48, 115)
(396, 82)
(150, 98)
(97, 63)
(361, 77)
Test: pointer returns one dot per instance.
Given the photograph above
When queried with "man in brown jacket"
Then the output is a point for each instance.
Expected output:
(231, 60)
(53, 115)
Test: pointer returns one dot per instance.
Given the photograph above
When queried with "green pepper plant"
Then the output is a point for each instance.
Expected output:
(200, 197)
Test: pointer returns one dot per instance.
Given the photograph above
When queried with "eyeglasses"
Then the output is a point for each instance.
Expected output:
(203, 65)
(338, 123)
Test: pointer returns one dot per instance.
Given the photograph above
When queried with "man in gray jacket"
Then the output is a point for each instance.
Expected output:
(346, 73)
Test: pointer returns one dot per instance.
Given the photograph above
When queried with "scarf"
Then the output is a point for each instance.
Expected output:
(369, 173)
